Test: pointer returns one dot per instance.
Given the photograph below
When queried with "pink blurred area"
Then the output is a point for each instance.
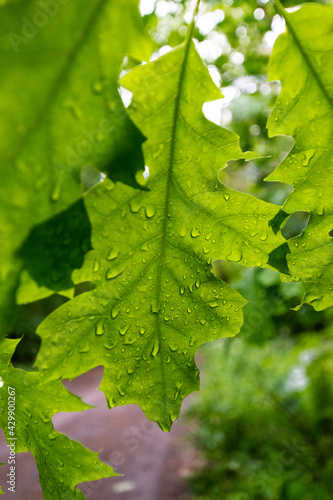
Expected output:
(153, 464)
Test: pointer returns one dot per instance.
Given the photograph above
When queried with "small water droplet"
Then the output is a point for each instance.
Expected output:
(74, 110)
(56, 191)
(123, 329)
(307, 155)
(99, 330)
(98, 87)
(52, 435)
(113, 272)
(114, 312)
(84, 348)
(120, 390)
(156, 348)
(173, 346)
(154, 308)
(150, 211)
(113, 254)
(195, 232)
(135, 206)
(108, 184)
(235, 255)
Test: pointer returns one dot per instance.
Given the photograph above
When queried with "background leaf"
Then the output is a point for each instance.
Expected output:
(60, 109)
(302, 61)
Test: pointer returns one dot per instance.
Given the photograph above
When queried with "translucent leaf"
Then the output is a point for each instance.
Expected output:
(155, 298)
(302, 60)
(62, 463)
(60, 109)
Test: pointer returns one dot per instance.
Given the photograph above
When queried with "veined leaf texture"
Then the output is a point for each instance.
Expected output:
(155, 299)
(301, 60)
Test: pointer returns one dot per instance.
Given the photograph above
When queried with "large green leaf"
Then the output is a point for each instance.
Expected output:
(155, 299)
(302, 61)
(60, 109)
(62, 463)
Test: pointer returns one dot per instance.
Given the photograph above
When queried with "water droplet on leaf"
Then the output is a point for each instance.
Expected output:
(150, 212)
(114, 312)
(113, 254)
(99, 330)
(195, 232)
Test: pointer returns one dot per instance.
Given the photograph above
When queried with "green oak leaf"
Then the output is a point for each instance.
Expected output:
(155, 299)
(302, 61)
(60, 109)
(62, 463)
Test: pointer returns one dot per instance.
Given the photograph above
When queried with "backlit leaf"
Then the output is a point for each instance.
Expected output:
(155, 299)
(62, 463)
(302, 60)
(60, 109)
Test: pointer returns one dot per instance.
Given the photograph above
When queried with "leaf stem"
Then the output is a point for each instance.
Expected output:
(279, 8)
(189, 33)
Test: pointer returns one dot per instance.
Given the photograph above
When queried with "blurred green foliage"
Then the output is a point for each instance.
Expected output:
(265, 419)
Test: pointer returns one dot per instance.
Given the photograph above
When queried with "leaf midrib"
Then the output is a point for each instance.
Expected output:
(168, 186)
